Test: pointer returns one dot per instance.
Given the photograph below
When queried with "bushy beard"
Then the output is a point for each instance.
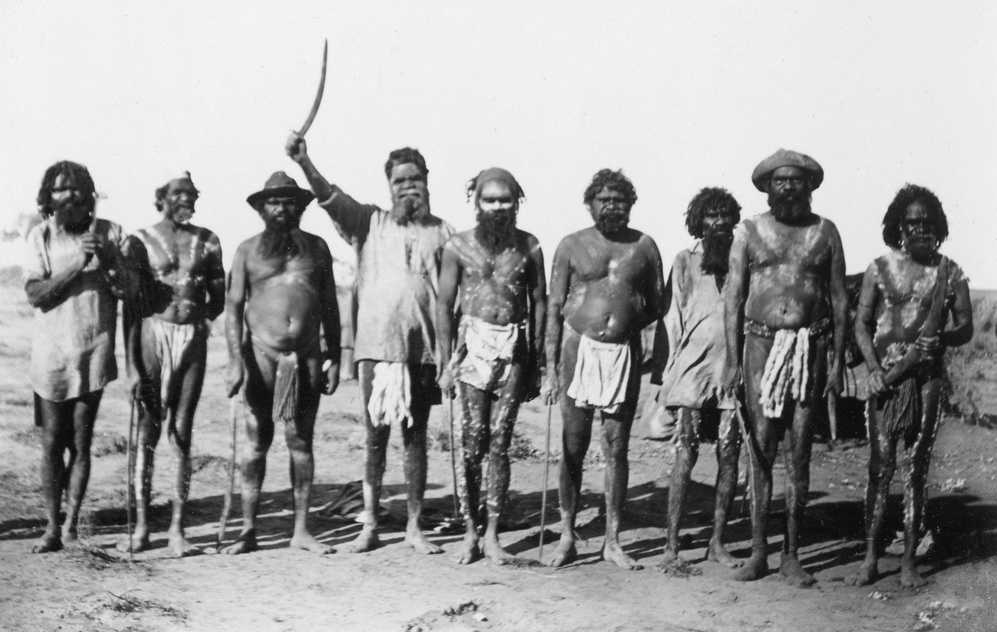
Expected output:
(179, 213)
(612, 222)
(716, 252)
(409, 208)
(496, 231)
(921, 248)
(82, 218)
(281, 240)
(789, 205)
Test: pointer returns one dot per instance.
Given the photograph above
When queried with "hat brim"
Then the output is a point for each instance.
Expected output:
(303, 197)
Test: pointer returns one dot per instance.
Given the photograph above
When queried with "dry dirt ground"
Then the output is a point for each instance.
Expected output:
(90, 586)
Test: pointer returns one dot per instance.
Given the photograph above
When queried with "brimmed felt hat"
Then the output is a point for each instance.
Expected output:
(280, 185)
(786, 158)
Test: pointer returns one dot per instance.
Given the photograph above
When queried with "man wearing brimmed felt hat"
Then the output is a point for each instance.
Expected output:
(785, 297)
(281, 305)
(399, 252)
(186, 292)
(498, 270)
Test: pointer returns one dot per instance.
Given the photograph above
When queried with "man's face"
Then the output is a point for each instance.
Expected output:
(789, 194)
(409, 192)
(719, 220)
(281, 213)
(69, 203)
(611, 211)
(496, 196)
(919, 231)
(178, 203)
(496, 215)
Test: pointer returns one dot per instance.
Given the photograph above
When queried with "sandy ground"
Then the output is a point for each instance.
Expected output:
(91, 587)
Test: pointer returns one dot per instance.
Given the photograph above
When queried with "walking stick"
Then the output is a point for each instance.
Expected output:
(131, 475)
(227, 505)
(453, 464)
(543, 492)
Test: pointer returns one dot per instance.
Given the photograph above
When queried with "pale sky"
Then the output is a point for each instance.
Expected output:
(679, 95)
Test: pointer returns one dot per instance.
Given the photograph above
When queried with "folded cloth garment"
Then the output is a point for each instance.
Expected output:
(391, 394)
(172, 341)
(602, 371)
(485, 359)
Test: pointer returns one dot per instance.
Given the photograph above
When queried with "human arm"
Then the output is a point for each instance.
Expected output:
(351, 219)
(735, 290)
(450, 272)
(537, 287)
(237, 291)
(659, 355)
(560, 277)
(865, 325)
(839, 310)
(215, 286)
(962, 317)
(330, 319)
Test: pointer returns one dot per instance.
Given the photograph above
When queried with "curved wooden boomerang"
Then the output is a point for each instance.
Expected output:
(318, 97)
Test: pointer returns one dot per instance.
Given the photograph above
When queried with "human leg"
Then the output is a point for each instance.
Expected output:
(299, 436)
(416, 461)
(728, 452)
(375, 449)
(260, 375)
(762, 437)
(686, 455)
(615, 444)
(473, 406)
(882, 465)
(503, 420)
(798, 448)
(56, 430)
(918, 458)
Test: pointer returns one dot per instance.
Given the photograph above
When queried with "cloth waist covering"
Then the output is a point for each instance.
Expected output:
(602, 370)
(901, 411)
(485, 359)
(172, 342)
(787, 369)
(286, 383)
(391, 394)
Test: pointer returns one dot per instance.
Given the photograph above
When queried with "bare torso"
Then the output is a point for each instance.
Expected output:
(613, 287)
(495, 287)
(284, 303)
(186, 264)
(789, 269)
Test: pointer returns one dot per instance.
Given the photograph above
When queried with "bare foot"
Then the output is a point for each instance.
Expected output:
(909, 577)
(69, 535)
(181, 547)
(676, 566)
(140, 542)
(717, 552)
(48, 543)
(246, 543)
(416, 539)
(565, 553)
(756, 567)
(613, 552)
(366, 541)
(307, 542)
(792, 570)
(468, 552)
(495, 552)
(865, 575)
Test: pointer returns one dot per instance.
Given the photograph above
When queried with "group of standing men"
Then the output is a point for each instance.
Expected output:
(751, 332)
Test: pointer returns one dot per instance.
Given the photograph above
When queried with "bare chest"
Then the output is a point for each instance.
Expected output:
(802, 248)
(616, 264)
(173, 254)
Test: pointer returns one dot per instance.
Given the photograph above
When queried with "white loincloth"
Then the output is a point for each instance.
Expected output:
(391, 394)
(787, 370)
(602, 370)
(172, 341)
(485, 359)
